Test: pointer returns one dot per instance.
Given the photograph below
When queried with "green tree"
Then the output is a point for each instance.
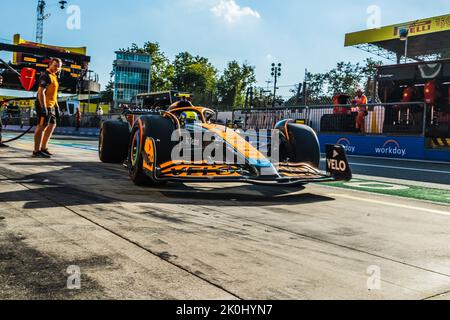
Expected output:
(315, 87)
(296, 98)
(346, 77)
(162, 71)
(260, 98)
(232, 84)
(108, 94)
(369, 69)
(195, 74)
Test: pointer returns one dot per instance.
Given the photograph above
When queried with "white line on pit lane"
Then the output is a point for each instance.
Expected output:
(399, 168)
(393, 167)
(391, 204)
(398, 160)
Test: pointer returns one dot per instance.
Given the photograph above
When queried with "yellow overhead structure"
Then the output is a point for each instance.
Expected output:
(428, 39)
(18, 57)
(19, 41)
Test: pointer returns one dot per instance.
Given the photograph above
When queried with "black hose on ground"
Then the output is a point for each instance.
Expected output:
(19, 136)
(29, 129)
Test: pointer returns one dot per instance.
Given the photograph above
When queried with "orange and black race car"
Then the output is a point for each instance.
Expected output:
(183, 144)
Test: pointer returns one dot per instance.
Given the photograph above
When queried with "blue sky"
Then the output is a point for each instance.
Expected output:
(299, 34)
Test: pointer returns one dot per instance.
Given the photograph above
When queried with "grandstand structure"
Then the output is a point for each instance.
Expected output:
(419, 40)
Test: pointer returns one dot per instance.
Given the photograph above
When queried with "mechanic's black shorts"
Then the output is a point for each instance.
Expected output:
(45, 119)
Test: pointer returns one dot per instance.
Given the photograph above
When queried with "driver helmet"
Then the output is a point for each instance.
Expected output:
(188, 117)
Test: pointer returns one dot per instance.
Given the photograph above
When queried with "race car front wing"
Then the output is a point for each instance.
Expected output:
(287, 174)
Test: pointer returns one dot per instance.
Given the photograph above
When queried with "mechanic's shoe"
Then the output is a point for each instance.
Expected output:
(45, 151)
(2, 145)
(39, 154)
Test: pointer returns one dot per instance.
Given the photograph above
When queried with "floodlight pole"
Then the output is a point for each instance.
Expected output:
(275, 91)
(41, 17)
(40, 20)
(276, 72)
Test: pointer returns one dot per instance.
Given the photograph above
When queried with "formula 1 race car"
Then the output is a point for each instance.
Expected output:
(170, 146)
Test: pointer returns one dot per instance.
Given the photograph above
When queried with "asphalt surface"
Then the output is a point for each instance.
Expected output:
(214, 241)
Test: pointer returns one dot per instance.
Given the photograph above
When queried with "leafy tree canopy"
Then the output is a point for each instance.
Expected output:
(233, 83)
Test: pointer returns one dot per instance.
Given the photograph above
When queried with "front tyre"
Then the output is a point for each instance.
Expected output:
(300, 144)
(135, 158)
(160, 131)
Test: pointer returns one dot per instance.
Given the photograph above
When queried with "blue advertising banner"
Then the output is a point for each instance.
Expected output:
(437, 155)
(378, 146)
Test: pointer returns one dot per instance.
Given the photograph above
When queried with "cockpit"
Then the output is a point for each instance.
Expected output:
(192, 115)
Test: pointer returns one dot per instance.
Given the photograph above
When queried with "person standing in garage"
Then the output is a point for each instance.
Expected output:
(361, 105)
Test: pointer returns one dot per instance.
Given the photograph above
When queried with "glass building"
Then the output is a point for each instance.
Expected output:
(131, 76)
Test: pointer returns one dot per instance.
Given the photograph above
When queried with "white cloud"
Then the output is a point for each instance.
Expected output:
(232, 12)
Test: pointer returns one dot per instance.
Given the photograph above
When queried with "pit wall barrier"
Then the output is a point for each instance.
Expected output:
(396, 147)
(403, 130)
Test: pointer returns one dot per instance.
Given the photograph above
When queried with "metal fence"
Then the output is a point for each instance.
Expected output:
(413, 118)
(387, 118)
(267, 118)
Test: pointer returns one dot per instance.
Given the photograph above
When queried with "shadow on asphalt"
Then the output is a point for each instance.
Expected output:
(26, 273)
(90, 183)
(248, 194)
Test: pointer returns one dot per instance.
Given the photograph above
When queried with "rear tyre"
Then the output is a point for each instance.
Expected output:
(302, 145)
(113, 141)
(160, 130)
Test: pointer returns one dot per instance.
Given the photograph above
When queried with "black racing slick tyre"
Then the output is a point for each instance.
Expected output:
(303, 145)
(113, 141)
(160, 130)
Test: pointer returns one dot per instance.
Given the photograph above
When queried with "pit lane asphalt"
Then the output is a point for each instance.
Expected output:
(211, 241)
(416, 171)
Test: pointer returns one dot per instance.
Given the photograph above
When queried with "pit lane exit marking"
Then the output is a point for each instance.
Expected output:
(374, 185)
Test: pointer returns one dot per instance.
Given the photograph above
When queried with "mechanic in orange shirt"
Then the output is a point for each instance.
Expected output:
(47, 109)
(361, 106)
